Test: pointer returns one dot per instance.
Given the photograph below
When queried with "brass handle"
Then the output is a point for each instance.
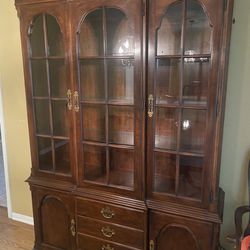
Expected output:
(108, 247)
(76, 101)
(108, 232)
(107, 213)
(73, 228)
(150, 106)
(69, 99)
(151, 245)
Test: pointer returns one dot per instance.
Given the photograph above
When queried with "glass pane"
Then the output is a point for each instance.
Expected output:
(91, 35)
(121, 167)
(41, 108)
(55, 37)
(39, 78)
(60, 118)
(94, 163)
(62, 156)
(45, 153)
(190, 180)
(165, 172)
(94, 123)
(58, 78)
(169, 33)
(166, 127)
(119, 33)
(193, 130)
(37, 37)
(167, 81)
(198, 30)
(121, 80)
(92, 80)
(121, 125)
(195, 81)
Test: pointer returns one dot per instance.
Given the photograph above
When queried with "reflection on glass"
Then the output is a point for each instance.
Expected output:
(167, 81)
(91, 35)
(41, 108)
(119, 33)
(166, 127)
(94, 163)
(37, 37)
(39, 78)
(58, 78)
(121, 80)
(169, 33)
(92, 80)
(55, 37)
(165, 172)
(45, 153)
(195, 82)
(62, 158)
(60, 118)
(190, 179)
(121, 125)
(193, 130)
(198, 30)
(121, 167)
(93, 117)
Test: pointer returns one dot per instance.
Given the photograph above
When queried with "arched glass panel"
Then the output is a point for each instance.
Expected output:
(106, 63)
(49, 84)
(91, 34)
(198, 30)
(120, 38)
(169, 33)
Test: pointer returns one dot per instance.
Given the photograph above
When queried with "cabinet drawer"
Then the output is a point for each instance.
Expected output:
(110, 213)
(89, 243)
(111, 232)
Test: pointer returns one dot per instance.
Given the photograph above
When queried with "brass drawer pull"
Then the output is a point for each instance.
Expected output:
(108, 247)
(108, 232)
(150, 106)
(69, 99)
(107, 213)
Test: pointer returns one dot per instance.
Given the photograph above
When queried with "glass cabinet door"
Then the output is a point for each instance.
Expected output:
(49, 95)
(107, 65)
(178, 111)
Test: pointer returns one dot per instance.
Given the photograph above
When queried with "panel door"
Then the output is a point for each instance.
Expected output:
(184, 40)
(48, 89)
(107, 41)
(54, 218)
(176, 233)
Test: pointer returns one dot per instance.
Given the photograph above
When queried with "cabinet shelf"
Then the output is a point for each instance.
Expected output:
(106, 57)
(184, 153)
(111, 145)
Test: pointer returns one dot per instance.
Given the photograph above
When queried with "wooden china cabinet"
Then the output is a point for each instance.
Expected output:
(125, 106)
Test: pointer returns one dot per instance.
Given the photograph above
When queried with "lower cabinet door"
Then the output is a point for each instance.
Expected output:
(54, 220)
(178, 233)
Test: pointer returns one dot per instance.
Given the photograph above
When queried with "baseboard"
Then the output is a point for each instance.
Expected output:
(22, 218)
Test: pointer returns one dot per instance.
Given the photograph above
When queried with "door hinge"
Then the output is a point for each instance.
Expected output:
(211, 198)
(151, 245)
(225, 2)
(143, 9)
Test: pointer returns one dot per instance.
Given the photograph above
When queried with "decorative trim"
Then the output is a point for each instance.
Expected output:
(22, 218)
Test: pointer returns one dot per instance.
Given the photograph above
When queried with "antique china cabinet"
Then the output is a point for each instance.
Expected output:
(125, 106)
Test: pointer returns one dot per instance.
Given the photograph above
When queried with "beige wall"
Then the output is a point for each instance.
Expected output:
(11, 77)
(236, 145)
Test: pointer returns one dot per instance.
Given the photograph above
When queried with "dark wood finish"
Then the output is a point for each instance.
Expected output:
(120, 215)
(109, 165)
(176, 232)
(123, 235)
